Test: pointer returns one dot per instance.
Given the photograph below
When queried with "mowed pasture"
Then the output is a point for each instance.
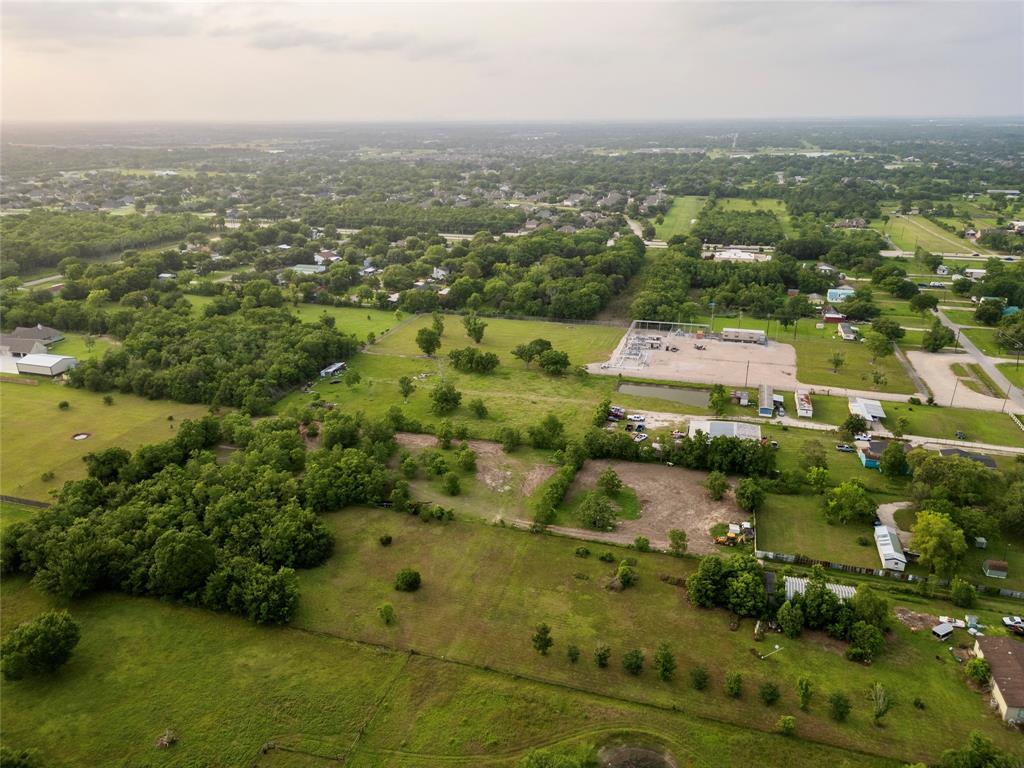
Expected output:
(37, 434)
(910, 232)
(483, 615)
(679, 218)
(584, 342)
(228, 689)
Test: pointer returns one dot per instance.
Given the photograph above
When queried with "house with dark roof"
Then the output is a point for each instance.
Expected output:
(12, 346)
(1005, 657)
(870, 452)
(981, 458)
(39, 332)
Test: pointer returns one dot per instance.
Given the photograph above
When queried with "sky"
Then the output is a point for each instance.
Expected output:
(465, 61)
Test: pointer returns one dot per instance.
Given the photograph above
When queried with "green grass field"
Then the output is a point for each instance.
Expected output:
(1013, 372)
(796, 525)
(354, 320)
(961, 316)
(910, 232)
(584, 343)
(14, 513)
(778, 207)
(484, 617)
(679, 217)
(37, 434)
(228, 689)
(76, 345)
(985, 339)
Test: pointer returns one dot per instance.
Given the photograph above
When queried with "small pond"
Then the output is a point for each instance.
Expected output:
(698, 397)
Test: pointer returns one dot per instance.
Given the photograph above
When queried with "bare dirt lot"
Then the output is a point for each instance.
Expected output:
(670, 497)
(722, 362)
(935, 369)
(509, 475)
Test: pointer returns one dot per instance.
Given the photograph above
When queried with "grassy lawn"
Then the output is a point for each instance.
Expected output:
(961, 316)
(37, 435)
(484, 616)
(1013, 372)
(14, 513)
(985, 338)
(909, 232)
(678, 219)
(1001, 546)
(584, 343)
(778, 207)
(936, 421)
(227, 688)
(354, 320)
(796, 525)
(75, 345)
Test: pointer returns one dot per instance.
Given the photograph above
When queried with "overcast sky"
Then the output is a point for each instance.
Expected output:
(509, 61)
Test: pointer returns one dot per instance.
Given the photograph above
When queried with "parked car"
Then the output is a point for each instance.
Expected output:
(844, 448)
(629, 427)
(862, 437)
(782, 412)
(635, 417)
(639, 437)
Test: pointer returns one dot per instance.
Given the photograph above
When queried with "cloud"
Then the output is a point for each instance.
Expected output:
(90, 24)
(275, 36)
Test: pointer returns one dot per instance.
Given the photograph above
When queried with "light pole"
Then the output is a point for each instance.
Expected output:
(712, 305)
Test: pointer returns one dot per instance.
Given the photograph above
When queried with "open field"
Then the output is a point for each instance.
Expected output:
(796, 525)
(778, 207)
(483, 616)
(37, 435)
(677, 220)
(14, 513)
(514, 395)
(228, 688)
(585, 343)
(909, 232)
(357, 321)
(961, 316)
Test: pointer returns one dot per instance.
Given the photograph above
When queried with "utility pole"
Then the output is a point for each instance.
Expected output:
(956, 383)
(746, 378)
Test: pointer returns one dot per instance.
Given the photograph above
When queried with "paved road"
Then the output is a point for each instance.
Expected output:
(984, 361)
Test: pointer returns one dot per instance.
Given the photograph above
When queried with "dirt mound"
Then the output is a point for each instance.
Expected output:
(635, 757)
(913, 620)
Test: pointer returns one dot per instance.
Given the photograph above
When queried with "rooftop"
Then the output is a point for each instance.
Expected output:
(1006, 658)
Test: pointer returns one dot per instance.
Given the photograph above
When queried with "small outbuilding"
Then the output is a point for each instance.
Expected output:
(744, 336)
(804, 408)
(942, 631)
(996, 569)
(46, 365)
(871, 410)
(333, 369)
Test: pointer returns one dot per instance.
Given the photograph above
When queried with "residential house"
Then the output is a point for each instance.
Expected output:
(847, 332)
(740, 256)
(856, 223)
(43, 333)
(981, 458)
(1005, 657)
(830, 314)
(870, 451)
(942, 269)
(804, 408)
(308, 269)
(11, 346)
(439, 273)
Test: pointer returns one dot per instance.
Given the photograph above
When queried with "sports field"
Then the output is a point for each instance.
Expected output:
(37, 435)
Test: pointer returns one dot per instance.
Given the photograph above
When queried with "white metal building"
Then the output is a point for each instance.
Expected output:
(46, 365)
(746, 336)
(795, 585)
(890, 550)
(871, 410)
(739, 429)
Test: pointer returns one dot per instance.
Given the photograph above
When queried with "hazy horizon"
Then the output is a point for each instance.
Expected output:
(292, 63)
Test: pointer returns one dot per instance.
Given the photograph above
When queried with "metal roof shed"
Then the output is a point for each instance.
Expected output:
(45, 365)
(942, 631)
